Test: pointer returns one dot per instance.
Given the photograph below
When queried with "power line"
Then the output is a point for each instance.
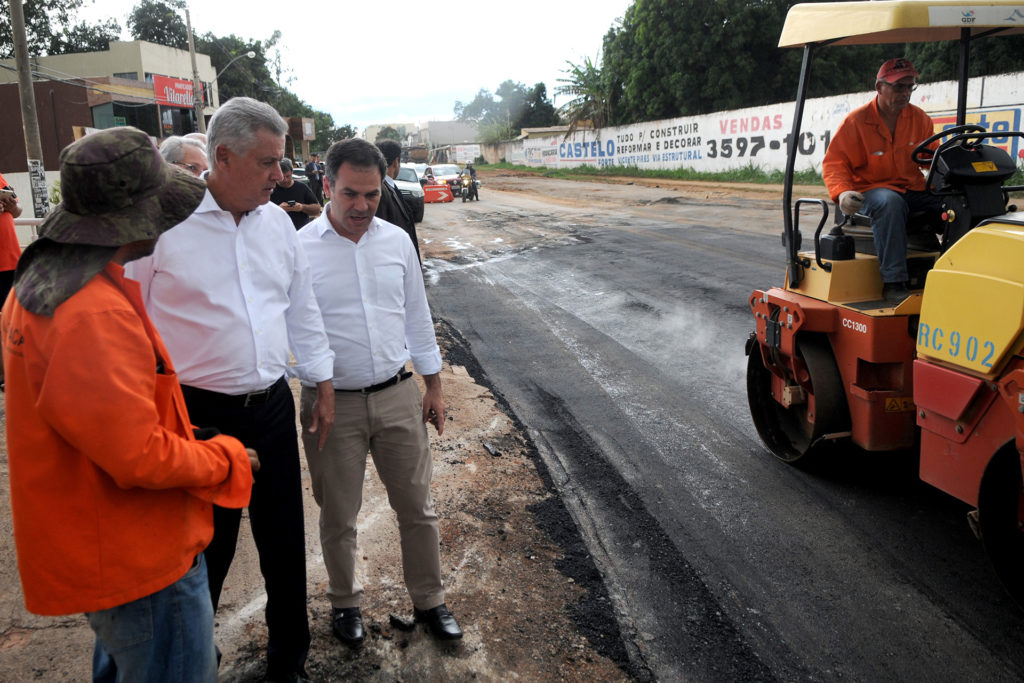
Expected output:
(89, 85)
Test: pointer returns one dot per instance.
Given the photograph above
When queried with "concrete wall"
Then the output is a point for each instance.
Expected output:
(438, 133)
(759, 136)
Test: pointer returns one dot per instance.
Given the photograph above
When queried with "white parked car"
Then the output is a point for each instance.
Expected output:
(408, 183)
(418, 168)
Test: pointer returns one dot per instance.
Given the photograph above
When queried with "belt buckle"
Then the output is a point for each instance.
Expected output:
(390, 382)
(256, 398)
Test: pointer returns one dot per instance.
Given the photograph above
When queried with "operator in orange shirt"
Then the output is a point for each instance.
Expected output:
(111, 492)
(867, 169)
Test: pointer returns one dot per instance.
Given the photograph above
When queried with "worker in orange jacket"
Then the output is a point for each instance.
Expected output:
(111, 492)
(867, 169)
(9, 248)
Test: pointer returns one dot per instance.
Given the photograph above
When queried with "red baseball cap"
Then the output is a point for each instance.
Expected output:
(895, 69)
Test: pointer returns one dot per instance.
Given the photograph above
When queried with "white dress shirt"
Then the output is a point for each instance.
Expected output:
(231, 300)
(373, 302)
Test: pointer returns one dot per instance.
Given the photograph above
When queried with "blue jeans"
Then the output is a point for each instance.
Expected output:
(889, 210)
(163, 637)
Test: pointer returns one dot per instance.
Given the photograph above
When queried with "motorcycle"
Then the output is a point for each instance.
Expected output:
(470, 188)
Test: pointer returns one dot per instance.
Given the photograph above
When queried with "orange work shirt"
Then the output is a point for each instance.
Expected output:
(864, 154)
(110, 492)
(9, 248)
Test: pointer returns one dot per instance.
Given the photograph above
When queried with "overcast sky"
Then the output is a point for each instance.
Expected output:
(403, 61)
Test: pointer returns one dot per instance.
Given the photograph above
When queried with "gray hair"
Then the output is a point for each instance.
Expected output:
(173, 148)
(236, 123)
(286, 165)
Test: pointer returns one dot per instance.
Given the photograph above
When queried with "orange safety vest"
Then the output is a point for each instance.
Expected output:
(9, 248)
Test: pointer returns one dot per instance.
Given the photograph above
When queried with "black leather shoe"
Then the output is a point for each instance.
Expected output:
(347, 623)
(440, 621)
(894, 292)
(299, 676)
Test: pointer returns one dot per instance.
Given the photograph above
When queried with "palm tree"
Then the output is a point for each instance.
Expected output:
(586, 85)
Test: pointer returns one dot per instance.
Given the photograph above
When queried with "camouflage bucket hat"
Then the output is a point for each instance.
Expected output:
(116, 190)
(49, 272)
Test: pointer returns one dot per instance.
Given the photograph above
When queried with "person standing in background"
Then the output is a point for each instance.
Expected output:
(230, 292)
(111, 491)
(186, 153)
(10, 250)
(393, 207)
(315, 174)
(294, 198)
(369, 288)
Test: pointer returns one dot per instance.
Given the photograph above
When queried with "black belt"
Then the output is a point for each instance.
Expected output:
(253, 398)
(402, 375)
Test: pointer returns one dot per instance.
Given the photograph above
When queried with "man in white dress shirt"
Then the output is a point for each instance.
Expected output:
(369, 288)
(231, 294)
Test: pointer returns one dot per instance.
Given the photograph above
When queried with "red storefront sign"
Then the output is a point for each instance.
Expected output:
(173, 92)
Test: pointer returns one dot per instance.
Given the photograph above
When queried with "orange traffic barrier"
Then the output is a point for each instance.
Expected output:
(437, 193)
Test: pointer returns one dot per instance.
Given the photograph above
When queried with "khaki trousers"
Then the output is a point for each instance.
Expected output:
(389, 425)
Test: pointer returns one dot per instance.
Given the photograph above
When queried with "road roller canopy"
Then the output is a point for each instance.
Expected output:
(897, 21)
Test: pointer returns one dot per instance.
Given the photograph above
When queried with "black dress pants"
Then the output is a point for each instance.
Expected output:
(275, 514)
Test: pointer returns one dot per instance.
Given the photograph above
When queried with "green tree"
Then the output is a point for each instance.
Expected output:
(246, 77)
(492, 117)
(538, 111)
(50, 29)
(476, 109)
(256, 78)
(391, 133)
(287, 103)
(327, 133)
(323, 124)
(83, 37)
(159, 22)
(493, 132)
(669, 58)
(993, 55)
(512, 107)
(588, 88)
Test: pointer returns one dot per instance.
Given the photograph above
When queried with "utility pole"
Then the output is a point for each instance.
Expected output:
(29, 119)
(197, 86)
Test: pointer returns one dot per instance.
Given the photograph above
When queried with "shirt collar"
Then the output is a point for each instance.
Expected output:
(210, 205)
(323, 226)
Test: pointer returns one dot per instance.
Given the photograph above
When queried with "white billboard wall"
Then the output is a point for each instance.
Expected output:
(464, 153)
(760, 135)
